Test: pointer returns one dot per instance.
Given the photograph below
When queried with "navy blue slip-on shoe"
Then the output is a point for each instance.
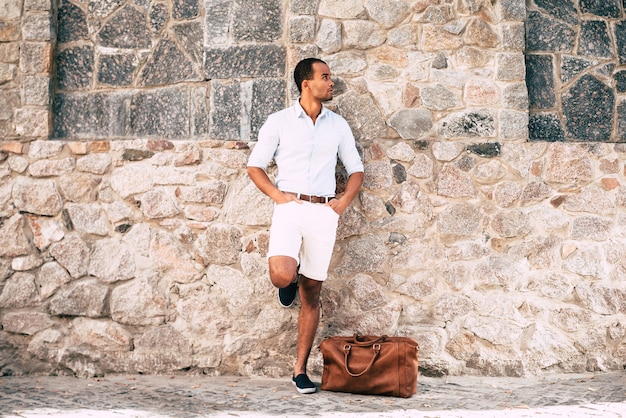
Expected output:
(287, 295)
(303, 384)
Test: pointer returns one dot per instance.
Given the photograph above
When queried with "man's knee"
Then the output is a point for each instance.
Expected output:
(281, 280)
(282, 270)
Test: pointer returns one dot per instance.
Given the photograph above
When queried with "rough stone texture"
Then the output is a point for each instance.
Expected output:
(135, 242)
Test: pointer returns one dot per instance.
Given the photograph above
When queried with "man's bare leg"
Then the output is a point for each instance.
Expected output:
(308, 320)
(283, 270)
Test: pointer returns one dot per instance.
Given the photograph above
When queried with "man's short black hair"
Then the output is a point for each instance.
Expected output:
(304, 71)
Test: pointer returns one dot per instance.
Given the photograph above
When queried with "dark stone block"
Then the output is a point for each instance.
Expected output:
(469, 124)
(127, 28)
(547, 34)
(268, 96)
(604, 8)
(595, 40)
(399, 172)
(421, 145)
(225, 111)
(390, 208)
(81, 115)
(620, 81)
(489, 149)
(239, 110)
(560, 9)
(217, 19)
(621, 122)
(117, 70)
(185, 9)
(245, 61)
(588, 110)
(163, 113)
(191, 38)
(258, 21)
(620, 40)
(167, 65)
(75, 67)
(440, 61)
(136, 154)
(159, 15)
(545, 127)
(540, 81)
(572, 66)
(122, 228)
(72, 24)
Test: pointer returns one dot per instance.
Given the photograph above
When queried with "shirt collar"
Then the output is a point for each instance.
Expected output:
(301, 113)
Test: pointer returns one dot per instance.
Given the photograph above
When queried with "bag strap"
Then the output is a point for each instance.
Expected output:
(348, 347)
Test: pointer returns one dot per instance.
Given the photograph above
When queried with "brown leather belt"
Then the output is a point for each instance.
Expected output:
(312, 199)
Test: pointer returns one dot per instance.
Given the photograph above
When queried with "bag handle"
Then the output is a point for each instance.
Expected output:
(355, 341)
(348, 347)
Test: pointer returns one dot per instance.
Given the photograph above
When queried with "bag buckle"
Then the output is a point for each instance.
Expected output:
(347, 347)
(376, 347)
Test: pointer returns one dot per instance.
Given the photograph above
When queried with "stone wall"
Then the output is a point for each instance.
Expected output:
(131, 239)
(575, 75)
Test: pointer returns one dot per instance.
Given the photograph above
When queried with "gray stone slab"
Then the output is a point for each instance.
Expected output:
(75, 67)
(604, 8)
(167, 65)
(595, 40)
(588, 107)
(185, 9)
(117, 69)
(547, 34)
(128, 28)
(245, 61)
(160, 112)
(259, 21)
(71, 23)
(545, 127)
(564, 10)
(226, 110)
(81, 115)
(540, 81)
(268, 96)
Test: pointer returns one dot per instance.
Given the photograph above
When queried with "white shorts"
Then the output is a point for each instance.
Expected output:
(306, 232)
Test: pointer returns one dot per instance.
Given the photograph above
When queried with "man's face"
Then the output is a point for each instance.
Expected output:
(321, 85)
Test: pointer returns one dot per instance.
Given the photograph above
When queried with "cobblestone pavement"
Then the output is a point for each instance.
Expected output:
(590, 395)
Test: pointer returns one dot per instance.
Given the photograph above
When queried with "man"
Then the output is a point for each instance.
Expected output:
(305, 141)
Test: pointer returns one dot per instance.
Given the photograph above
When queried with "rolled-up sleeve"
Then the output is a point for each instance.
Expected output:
(348, 153)
(264, 150)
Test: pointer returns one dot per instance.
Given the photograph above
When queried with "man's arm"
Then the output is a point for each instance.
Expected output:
(352, 188)
(262, 181)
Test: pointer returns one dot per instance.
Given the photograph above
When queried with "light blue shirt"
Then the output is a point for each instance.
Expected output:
(306, 154)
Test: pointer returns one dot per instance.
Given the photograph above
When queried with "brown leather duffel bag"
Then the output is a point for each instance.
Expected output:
(370, 365)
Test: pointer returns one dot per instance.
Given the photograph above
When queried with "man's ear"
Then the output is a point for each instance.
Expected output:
(305, 84)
